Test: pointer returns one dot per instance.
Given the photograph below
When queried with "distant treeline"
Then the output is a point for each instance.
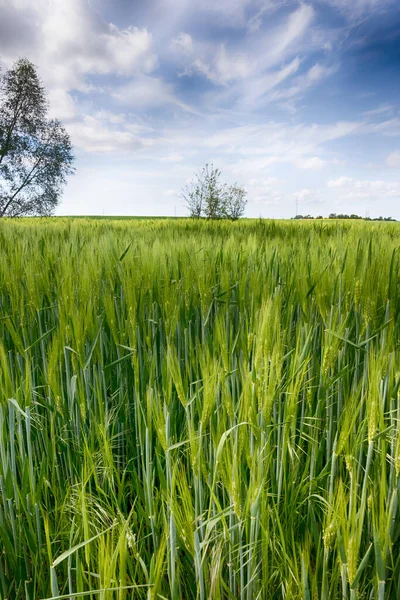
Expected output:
(340, 216)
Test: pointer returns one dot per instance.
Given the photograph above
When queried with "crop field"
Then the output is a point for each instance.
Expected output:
(196, 410)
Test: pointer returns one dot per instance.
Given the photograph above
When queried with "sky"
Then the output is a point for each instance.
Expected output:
(297, 101)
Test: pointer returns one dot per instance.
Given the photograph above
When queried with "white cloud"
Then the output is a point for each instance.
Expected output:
(265, 190)
(182, 44)
(258, 87)
(389, 127)
(62, 105)
(171, 193)
(110, 117)
(318, 72)
(300, 145)
(265, 181)
(302, 83)
(272, 191)
(174, 157)
(255, 21)
(147, 92)
(307, 196)
(393, 159)
(69, 44)
(104, 132)
(71, 41)
(309, 162)
(340, 182)
(356, 189)
(74, 36)
(143, 91)
(224, 67)
(294, 28)
(231, 67)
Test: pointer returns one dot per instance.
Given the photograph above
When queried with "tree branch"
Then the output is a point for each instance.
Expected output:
(28, 178)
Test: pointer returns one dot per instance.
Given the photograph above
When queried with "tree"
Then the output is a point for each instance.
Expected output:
(207, 197)
(194, 195)
(35, 152)
(234, 202)
(213, 193)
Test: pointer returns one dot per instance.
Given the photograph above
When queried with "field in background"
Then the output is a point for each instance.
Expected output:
(115, 218)
(194, 410)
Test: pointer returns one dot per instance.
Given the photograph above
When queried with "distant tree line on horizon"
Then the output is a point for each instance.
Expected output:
(342, 216)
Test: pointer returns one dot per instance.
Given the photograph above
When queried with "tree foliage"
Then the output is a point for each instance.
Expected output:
(207, 197)
(344, 216)
(235, 202)
(35, 151)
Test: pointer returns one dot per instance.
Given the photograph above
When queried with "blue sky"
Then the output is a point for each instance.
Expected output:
(297, 101)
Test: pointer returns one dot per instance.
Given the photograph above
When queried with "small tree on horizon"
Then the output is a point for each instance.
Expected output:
(235, 202)
(35, 152)
(213, 193)
(207, 197)
(194, 194)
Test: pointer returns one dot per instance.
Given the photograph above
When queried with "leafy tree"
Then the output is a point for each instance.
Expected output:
(213, 193)
(234, 202)
(35, 152)
(207, 197)
(194, 195)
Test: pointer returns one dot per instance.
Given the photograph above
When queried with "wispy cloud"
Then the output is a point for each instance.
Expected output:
(146, 92)
(378, 112)
(256, 66)
(357, 9)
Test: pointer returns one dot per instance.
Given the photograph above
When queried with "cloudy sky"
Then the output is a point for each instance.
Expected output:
(297, 101)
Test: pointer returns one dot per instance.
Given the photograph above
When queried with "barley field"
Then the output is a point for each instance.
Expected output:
(195, 410)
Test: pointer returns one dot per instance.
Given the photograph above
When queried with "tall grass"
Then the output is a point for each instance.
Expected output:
(199, 410)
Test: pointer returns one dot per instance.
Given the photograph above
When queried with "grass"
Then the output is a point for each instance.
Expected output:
(194, 410)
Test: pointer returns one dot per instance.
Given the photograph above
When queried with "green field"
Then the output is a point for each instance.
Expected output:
(116, 218)
(196, 410)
